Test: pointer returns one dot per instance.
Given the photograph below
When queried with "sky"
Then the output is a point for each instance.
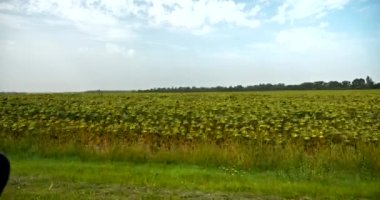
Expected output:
(63, 45)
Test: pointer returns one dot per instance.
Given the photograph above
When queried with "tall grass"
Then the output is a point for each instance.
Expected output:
(363, 158)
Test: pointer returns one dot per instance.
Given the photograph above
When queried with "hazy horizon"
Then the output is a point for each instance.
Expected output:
(198, 87)
(69, 46)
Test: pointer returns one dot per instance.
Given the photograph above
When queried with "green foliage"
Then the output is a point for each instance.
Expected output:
(357, 83)
(369, 82)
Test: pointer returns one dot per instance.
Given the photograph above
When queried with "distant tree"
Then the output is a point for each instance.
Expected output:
(346, 84)
(334, 85)
(358, 83)
(307, 86)
(369, 82)
(319, 85)
(239, 88)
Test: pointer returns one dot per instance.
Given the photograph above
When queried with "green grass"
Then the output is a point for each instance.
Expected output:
(72, 178)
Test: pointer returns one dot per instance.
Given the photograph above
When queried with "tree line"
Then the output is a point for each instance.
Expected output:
(357, 83)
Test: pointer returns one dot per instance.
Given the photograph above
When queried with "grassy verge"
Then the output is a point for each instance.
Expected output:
(71, 178)
(363, 158)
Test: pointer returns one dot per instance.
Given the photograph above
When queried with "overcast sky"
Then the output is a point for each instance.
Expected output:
(63, 45)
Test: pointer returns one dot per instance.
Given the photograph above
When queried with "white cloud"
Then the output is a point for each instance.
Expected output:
(90, 17)
(323, 25)
(84, 50)
(292, 10)
(302, 41)
(115, 49)
(308, 42)
(175, 47)
(14, 22)
(106, 33)
(196, 16)
(203, 30)
(131, 52)
(305, 39)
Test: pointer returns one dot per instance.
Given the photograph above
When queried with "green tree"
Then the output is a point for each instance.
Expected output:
(334, 85)
(369, 82)
(346, 84)
(358, 83)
